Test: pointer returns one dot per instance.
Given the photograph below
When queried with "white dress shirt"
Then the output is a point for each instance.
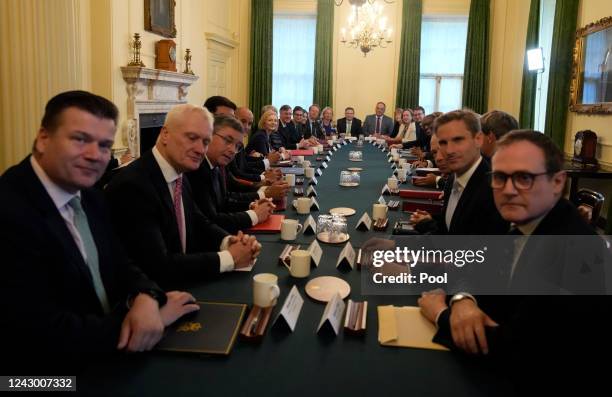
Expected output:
(459, 185)
(170, 175)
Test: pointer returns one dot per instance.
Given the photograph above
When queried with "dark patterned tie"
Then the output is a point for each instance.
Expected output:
(178, 209)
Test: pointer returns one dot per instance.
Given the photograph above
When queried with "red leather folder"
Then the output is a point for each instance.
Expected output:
(421, 194)
(271, 225)
(302, 152)
(433, 207)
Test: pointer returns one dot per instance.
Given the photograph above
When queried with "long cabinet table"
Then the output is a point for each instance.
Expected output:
(303, 362)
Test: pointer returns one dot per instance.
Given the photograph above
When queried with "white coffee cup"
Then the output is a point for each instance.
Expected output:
(402, 173)
(302, 205)
(396, 157)
(300, 263)
(402, 162)
(394, 151)
(309, 172)
(392, 183)
(379, 211)
(289, 229)
(305, 163)
(320, 148)
(290, 179)
(299, 159)
(265, 289)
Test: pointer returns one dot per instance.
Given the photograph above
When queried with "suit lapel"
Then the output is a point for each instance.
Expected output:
(470, 191)
(53, 220)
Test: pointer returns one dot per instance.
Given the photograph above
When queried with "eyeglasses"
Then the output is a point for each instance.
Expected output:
(229, 141)
(521, 180)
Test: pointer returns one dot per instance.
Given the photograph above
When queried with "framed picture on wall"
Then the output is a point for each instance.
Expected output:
(159, 17)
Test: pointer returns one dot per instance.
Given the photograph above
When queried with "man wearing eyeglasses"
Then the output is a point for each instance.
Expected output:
(208, 182)
(527, 330)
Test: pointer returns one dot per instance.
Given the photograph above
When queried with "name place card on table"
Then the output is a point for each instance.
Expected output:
(381, 200)
(364, 223)
(385, 191)
(314, 206)
(324, 164)
(332, 315)
(313, 182)
(316, 252)
(346, 257)
(327, 158)
(310, 226)
(319, 172)
(290, 312)
(311, 192)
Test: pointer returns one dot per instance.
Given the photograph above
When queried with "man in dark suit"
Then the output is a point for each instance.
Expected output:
(65, 279)
(349, 124)
(162, 227)
(288, 132)
(433, 180)
(313, 124)
(378, 123)
(299, 120)
(495, 124)
(468, 208)
(526, 330)
(208, 182)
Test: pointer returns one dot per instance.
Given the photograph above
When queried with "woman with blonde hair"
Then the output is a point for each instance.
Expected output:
(261, 141)
(406, 131)
(327, 125)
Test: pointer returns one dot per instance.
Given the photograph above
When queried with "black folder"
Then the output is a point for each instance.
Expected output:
(211, 330)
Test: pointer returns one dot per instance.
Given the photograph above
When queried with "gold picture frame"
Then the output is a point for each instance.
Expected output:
(159, 17)
(591, 85)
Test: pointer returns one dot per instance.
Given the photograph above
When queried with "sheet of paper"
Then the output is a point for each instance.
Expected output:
(405, 327)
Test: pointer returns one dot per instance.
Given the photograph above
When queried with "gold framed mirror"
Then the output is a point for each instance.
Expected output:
(591, 86)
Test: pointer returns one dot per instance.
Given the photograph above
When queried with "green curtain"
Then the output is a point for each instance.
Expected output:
(260, 86)
(410, 55)
(530, 79)
(322, 92)
(476, 69)
(560, 73)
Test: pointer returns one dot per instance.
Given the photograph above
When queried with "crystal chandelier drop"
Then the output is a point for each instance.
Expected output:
(366, 28)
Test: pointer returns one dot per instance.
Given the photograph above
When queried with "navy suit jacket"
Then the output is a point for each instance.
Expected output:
(48, 302)
(386, 125)
(355, 126)
(229, 215)
(143, 215)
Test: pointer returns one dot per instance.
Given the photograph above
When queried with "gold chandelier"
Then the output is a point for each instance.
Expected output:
(366, 27)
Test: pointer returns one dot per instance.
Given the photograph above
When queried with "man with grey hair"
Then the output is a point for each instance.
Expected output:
(162, 227)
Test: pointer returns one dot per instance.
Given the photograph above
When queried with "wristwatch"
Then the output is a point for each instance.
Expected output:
(461, 296)
(156, 294)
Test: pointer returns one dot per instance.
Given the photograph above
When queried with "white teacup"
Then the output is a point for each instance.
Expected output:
(309, 172)
(300, 263)
(392, 183)
(290, 229)
(290, 179)
(379, 211)
(302, 205)
(265, 289)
